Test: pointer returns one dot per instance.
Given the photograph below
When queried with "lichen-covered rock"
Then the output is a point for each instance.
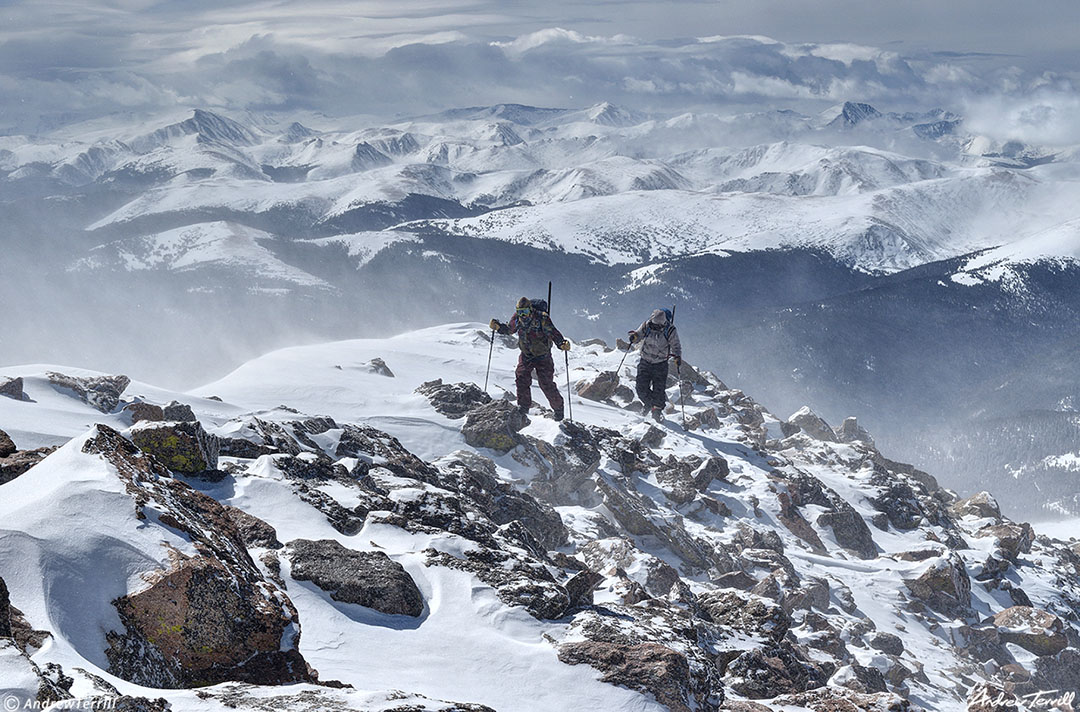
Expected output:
(367, 578)
(598, 387)
(495, 426)
(647, 667)
(944, 586)
(747, 613)
(981, 505)
(101, 392)
(254, 532)
(198, 623)
(180, 446)
(178, 412)
(810, 423)
(454, 400)
(202, 619)
(12, 388)
(1040, 632)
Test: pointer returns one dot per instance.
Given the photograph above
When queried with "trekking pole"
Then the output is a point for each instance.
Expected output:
(569, 393)
(625, 353)
(491, 347)
(682, 393)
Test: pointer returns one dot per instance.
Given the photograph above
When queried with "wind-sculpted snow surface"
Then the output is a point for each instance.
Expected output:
(351, 535)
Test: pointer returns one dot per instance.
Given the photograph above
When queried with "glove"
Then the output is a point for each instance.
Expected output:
(678, 362)
(633, 336)
(565, 345)
(494, 324)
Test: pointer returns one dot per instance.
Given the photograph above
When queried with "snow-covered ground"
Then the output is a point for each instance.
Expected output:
(70, 541)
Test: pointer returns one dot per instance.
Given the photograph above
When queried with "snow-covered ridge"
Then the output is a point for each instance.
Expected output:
(606, 562)
(880, 191)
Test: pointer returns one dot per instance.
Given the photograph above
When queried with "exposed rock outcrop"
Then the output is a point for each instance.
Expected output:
(495, 426)
(20, 462)
(1032, 629)
(101, 392)
(598, 387)
(647, 667)
(367, 578)
(12, 388)
(454, 400)
(181, 446)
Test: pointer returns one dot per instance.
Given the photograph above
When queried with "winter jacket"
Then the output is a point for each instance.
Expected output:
(655, 345)
(536, 334)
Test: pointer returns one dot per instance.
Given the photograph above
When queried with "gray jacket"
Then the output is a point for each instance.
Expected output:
(655, 346)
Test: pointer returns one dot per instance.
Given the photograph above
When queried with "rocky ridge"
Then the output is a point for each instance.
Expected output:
(748, 563)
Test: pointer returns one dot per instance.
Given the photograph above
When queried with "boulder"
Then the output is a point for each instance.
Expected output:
(599, 387)
(140, 411)
(981, 505)
(12, 388)
(199, 624)
(944, 586)
(1012, 539)
(887, 643)
(181, 446)
(608, 555)
(1033, 629)
(21, 461)
(454, 400)
(810, 423)
(517, 580)
(647, 667)
(851, 432)
(379, 368)
(254, 532)
(495, 426)
(100, 392)
(366, 578)
(774, 670)
(178, 412)
(746, 613)
(859, 678)
(7, 445)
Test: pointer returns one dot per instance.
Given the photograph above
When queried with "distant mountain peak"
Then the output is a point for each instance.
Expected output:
(852, 113)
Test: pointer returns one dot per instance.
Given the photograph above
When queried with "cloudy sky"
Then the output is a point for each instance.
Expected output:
(1011, 65)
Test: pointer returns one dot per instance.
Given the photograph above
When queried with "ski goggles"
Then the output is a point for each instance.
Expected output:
(524, 311)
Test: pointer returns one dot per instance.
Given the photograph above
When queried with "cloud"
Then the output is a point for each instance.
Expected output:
(389, 59)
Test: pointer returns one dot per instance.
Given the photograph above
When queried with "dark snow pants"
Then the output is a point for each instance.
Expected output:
(545, 373)
(651, 383)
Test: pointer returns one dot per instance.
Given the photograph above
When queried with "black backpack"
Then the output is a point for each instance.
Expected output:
(539, 305)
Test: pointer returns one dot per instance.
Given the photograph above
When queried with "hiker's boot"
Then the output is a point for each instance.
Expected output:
(558, 415)
(658, 414)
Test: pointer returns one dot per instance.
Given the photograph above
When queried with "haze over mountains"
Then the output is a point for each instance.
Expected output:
(893, 265)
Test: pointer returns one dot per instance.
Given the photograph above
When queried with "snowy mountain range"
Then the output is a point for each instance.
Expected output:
(954, 253)
(358, 526)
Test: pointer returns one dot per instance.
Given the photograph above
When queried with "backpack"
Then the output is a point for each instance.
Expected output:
(539, 305)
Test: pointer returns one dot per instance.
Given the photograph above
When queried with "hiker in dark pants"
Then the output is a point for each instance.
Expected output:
(536, 334)
(659, 342)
